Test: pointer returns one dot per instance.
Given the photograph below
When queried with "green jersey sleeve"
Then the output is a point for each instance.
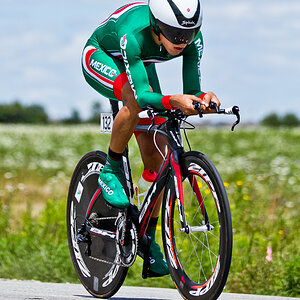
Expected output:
(136, 72)
(153, 78)
(191, 67)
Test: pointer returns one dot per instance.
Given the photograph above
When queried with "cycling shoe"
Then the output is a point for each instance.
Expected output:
(112, 189)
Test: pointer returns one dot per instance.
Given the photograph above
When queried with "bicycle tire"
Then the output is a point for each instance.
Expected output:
(101, 279)
(199, 261)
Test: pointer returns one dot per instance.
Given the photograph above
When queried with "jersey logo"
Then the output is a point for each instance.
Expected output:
(123, 42)
(104, 69)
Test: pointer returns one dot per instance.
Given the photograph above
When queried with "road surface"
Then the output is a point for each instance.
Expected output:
(35, 290)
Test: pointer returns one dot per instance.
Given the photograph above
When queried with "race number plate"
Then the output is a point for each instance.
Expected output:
(106, 122)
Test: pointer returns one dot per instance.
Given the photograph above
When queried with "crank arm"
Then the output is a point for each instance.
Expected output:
(101, 232)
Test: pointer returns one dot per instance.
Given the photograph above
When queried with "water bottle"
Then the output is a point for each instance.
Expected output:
(144, 184)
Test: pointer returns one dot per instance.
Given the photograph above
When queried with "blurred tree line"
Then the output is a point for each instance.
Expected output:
(36, 114)
(288, 120)
(17, 113)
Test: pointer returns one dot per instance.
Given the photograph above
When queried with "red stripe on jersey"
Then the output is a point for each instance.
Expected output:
(123, 8)
(87, 59)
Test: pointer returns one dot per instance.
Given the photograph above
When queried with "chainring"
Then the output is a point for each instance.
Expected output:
(126, 241)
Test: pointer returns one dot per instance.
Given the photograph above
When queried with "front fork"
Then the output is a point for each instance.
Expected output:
(176, 177)
(177, 184)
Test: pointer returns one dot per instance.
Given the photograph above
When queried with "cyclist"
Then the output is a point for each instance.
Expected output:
(119, 62)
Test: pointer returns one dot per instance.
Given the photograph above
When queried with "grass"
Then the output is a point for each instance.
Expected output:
(260, 168)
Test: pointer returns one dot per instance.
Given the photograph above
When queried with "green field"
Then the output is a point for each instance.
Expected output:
(260, 168)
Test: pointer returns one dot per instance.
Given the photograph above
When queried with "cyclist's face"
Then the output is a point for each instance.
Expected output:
(172, 49)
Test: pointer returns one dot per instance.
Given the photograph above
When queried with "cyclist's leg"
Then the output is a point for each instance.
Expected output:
(106, 75)
(151, 157)
(123, 128)
(125, 121)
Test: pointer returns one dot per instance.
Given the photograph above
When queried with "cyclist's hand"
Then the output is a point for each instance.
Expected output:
(185, 103)
(208, 98)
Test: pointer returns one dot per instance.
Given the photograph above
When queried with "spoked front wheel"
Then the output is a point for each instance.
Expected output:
(198, 255)
(94, 253)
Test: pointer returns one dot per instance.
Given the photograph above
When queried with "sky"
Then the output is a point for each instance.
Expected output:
(251, 55)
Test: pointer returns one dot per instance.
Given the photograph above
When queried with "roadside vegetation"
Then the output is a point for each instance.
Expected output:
(260, 168)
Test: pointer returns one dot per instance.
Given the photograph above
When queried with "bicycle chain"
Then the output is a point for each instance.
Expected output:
(102, 260)
(106, 218)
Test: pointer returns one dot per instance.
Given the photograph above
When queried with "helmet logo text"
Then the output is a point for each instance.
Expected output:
(186, 23)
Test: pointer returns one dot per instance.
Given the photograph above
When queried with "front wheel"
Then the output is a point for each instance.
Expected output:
(198, 255)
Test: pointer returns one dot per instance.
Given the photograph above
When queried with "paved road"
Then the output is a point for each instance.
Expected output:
(34, 290)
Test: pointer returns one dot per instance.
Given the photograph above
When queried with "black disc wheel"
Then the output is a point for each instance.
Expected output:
(198, 255)
(94, 255)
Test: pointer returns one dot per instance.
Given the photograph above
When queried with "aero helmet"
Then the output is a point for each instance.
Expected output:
(178, 20)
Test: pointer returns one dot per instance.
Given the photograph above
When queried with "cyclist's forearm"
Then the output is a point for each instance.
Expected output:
(150, 98)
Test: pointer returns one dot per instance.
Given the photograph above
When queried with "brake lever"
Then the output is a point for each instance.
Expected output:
(236, 112)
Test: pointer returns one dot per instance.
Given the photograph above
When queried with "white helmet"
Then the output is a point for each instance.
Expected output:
(178, 20)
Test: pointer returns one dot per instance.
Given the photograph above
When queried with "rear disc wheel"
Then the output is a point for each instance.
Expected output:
(100, 278)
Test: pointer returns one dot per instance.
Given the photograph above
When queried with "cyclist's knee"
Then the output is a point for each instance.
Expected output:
(151, 157)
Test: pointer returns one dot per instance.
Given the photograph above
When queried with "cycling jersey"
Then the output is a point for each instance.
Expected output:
(124, 44)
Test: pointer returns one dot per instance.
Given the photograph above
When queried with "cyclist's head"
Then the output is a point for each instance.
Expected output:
(178, 20)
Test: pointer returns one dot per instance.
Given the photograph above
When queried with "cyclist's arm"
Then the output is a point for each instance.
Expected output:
(136, 72)
(192, 81)
(153, 78)
(191, 67)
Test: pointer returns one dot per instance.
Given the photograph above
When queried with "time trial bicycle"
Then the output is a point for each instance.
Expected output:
(196, 220)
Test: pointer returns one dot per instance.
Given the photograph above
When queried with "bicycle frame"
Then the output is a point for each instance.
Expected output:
(169, 171)
(168, 176)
